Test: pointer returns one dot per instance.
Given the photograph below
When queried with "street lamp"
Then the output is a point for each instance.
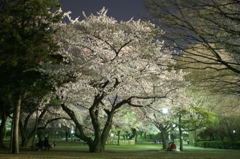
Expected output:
(112, 135)
(165, 110)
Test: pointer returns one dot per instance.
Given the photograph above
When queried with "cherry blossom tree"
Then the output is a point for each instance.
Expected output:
(162, 113)
(147, 128)
(186, 111)
(126, 124)
(114, 65)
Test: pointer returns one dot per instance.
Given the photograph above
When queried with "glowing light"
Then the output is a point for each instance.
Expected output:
(165, 110)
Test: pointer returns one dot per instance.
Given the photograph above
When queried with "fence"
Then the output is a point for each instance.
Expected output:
(121, 142)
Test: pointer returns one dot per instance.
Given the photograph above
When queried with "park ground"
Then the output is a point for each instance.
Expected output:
(75, 150)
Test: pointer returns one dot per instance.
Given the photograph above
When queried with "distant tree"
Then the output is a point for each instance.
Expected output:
(26, 41)
(206, 32)
(126, 123)
(198, 116)
(162, 113)
(193, 119)
(225, 125)
(231, 127)
(181, 109)
(147, 128)
(37, 116)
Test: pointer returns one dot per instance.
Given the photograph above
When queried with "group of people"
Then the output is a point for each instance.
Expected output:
(44, 144)
(171, 146)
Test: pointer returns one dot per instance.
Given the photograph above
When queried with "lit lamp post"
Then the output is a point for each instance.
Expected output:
(164, 130)
(112, 135)
(165, 110)
(72, 134)
(180, 131)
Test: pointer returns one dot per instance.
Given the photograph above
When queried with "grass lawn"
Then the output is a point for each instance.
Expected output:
(74, 150)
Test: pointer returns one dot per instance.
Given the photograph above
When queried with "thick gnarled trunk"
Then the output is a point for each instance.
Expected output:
(26, 137)
(97, 147)
(164, 138)
(98, 143)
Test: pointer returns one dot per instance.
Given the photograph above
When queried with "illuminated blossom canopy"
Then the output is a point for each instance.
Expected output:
(110, 65)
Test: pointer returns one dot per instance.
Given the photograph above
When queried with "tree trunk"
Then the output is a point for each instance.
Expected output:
(134, 134)
(101, 136)
(118, 137)
(181, 139)
(30, 136)
(192, 137)
(164, 138)
(27, 136)
(3, 128)
(23, 127)
(180, 134)
(136, 138)
(23, 134)
(141, 134)
(34, 132)
(67, 134)
(15, 127)
(99, 147)
(24, 142)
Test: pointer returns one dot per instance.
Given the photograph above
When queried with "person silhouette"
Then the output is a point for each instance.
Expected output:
(46, 144)
(173, 147)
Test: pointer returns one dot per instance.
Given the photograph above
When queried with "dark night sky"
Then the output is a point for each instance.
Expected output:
(118, 9)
